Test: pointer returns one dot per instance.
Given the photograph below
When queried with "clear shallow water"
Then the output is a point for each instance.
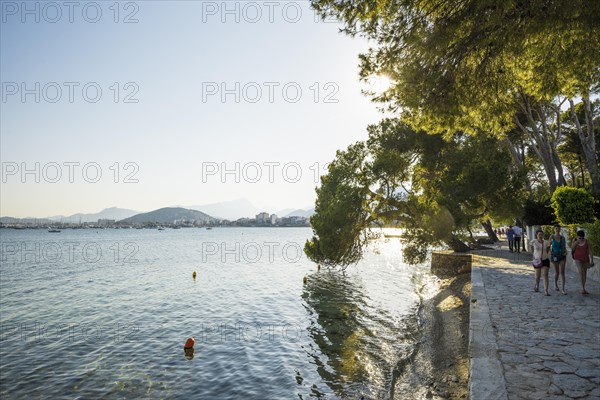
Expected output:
(105, 313)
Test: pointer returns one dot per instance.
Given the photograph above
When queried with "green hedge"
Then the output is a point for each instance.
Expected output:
(593, 235)
(573, 205)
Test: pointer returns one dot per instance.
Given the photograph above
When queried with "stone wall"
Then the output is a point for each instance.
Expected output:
(447, 264)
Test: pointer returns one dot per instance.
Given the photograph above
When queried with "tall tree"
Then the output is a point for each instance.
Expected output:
(474, 66)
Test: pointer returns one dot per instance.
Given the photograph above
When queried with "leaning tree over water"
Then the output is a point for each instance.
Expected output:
(433, 187)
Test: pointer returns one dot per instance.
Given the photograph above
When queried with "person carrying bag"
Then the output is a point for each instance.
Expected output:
(583, 257)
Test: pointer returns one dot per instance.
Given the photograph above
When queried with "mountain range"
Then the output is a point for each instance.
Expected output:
(307, 213)
(240, 208)
(108, 213)
(231, 210)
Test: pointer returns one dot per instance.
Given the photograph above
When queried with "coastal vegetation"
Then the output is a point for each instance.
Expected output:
(495, 109)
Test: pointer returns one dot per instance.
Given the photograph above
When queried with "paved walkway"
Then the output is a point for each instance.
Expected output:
(524, 345)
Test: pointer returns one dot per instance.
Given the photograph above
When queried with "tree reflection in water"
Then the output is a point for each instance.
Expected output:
(360, 348)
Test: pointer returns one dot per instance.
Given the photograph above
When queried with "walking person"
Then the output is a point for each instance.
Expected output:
(518, 232)
(541, 260)
(510, 236)
(558, 257)
(582, 255)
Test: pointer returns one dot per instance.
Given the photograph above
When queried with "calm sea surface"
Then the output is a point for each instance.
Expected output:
(105, 314)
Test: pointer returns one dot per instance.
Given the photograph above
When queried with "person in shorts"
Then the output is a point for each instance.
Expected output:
(583, 257)
(558, 257)
(541, 260)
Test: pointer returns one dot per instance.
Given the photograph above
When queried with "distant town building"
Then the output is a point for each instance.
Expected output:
(273, 219)
(263, 218)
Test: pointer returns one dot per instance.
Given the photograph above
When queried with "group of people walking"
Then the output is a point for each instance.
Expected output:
(513, 235)
(554, 251)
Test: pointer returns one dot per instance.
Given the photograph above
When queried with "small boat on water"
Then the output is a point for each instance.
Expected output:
(53, 230)
(160, 228)
(208, 228)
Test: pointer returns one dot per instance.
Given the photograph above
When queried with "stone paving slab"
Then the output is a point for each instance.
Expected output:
(547, 347)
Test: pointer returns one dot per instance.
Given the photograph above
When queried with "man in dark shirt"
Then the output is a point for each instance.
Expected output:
(518, 233)
(510, 235)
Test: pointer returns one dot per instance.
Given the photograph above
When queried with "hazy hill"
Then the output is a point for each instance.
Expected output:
(301, 213)
(108, 213)
(169, 214)
(284, 212)
(231, 210)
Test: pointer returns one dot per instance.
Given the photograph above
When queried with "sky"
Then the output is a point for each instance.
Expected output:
(149, 104)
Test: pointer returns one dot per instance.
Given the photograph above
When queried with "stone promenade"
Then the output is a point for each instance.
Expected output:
(524, 345)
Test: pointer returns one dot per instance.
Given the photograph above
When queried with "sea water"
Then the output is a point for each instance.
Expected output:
(105, 313)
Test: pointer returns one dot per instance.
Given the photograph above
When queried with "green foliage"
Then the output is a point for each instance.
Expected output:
(431, 186)
(340, 217)
(548, 231)
(474, 66)
(463, 65)
(572, 232)
(573, 205)
(538, 212)
(593, 236)
(597, 206)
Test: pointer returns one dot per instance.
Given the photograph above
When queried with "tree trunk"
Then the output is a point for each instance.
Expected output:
(582, 171)
(555, 138)
(588, 143)
(456, 244)
(487, 225)
(592, 166)
(471, 235)
(540, 141)
(558, 164)
(514, 153)
(518, 163)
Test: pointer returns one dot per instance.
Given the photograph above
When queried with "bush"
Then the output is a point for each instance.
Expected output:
(573, 205)
(593, 236)
(548, 231)
(570, 234)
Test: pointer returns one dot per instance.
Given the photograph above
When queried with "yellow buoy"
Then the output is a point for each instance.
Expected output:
(305, 280)
(194, 275)
(318, 267)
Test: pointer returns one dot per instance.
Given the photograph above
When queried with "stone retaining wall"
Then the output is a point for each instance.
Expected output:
(446, 263)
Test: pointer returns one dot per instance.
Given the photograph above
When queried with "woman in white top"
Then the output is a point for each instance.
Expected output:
(541, 261)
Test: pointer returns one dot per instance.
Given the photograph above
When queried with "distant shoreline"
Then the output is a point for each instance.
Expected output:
(4, 226)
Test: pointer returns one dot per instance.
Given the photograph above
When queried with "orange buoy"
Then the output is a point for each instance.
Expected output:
(189, 344)
(318, 267)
